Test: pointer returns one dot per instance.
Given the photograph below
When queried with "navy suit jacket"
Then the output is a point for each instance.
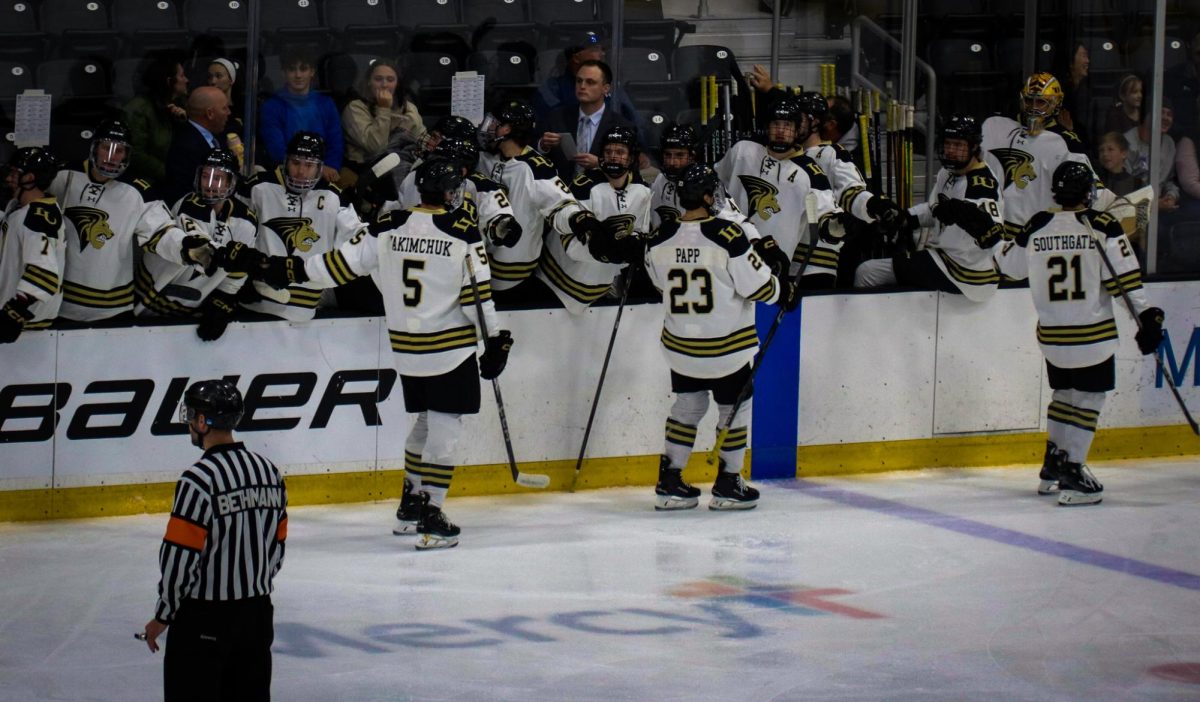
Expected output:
(188, 150)
(566, 119)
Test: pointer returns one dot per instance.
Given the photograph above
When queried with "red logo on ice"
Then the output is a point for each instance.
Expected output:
(801, 600)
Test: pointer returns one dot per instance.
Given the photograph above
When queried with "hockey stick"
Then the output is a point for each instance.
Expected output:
(587, 432)
(810, 210)
(530, 480)
(1137, 320)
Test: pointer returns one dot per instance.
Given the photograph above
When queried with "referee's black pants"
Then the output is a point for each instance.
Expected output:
(220, 651)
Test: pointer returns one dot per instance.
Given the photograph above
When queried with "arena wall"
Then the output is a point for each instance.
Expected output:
(885, 382)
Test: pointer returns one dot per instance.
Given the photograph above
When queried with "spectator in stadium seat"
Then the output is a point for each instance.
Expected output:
(152, 116)
(1126, 112)
(1138, 161)
(382, 118)
(1077, 91)
(1182, 84)
(1113, 151)
(222, 75)
(298, 108)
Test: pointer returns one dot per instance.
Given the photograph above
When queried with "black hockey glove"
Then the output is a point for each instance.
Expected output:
(831, 229)
(495, 355)
(215, 314)
(584, 226)
(881, 209)
(282, 271)
(789, 294)
(198, 250)
(1151, 334)
(236, 257)
(13, 317)
(506, 231)
(768, 250)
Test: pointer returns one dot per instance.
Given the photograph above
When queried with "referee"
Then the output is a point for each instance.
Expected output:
(223, 546)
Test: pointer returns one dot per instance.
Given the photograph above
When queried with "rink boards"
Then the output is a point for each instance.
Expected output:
(881, 382)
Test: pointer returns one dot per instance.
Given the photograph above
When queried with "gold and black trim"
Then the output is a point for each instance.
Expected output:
(848, 195)
(41, 278)
(680, 434)
(1128, 281)
(434, 475)
(512, 271)
(968, 276)
(821, 258)
(412, 463)
(466, 297)
(736, 439)
(765, 293)
(581, 292)
(434, 342)
(1077, 335)
(155, 301)
(1078, 417)
(303, 297)
(84, 296)
(740, 340)
(338, 267)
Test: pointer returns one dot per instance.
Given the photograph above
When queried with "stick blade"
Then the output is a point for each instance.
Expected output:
(533, 480)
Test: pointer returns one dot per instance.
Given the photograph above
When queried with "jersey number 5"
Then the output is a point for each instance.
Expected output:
(412, 296)
(680, 279)
(1060, 269)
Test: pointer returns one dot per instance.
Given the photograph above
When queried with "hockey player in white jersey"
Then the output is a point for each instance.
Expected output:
(771, 183)
(1025, 154)
(710, 277)
(966, 215)
(1072, 291)
(209, 210)
(581, 272)
(541, 201)
(32, 245)
(299, 214)
(105, 219)
(419, 260)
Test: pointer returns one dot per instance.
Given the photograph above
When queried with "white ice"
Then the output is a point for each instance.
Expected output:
(928, 585)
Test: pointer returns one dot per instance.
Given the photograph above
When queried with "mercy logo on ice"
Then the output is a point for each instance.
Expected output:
(1179, 371)
(793, 599)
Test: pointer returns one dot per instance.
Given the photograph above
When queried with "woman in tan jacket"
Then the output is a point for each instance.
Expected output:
(381, 119)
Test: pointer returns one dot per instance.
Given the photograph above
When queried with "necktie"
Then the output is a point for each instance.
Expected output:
(583, 139)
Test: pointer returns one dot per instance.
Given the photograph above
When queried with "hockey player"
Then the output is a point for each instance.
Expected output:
(105, 218)
(540, 199)
(422, 259)
(1072, 291)
(1026, 153)
(299, 214)
(32, 246)
(211, 211)
(770, 183)
(967, 219)
(710, 277)
(579, 273)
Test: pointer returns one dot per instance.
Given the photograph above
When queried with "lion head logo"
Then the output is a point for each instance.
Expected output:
(296, 233)
(1018, 167)
(761, 196)
(92, 226)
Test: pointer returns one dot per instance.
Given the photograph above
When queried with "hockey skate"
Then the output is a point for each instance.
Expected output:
(671, 492)
(433, 529)
(1077, 485)
(730, 491)
(1050, 469)
(409, 511)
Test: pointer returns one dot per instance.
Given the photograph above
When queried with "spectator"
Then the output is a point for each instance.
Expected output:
(1182, 85)
(297, 108)
(588, 119)
(208, 114)
(382, 118)
(1114, 150)
(152, 115)
(1126, 112)
(222, 74)
(558, 92)
(1138, 161)
(1077, 91)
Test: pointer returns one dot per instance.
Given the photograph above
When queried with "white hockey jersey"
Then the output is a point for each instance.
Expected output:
(32, 255)
(491, 201)
(772, 193)
(568, 269)
(665, 207)
(298, 225)
(710, 278)
(1072, 288)
(966, 264)
(847, 182)
(175, 290)
(104, 222)
(418, 259)
(540, 201)
(1026, 165)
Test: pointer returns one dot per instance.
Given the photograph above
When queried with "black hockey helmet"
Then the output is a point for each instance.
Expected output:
(696, 181)
(786, 109)
(1072, 184)
(111, 149)
(463, 152)
(813, 104)
(626, 136)
(448, 127)
(436, 177)
(305, 146)
(679, 136)
(517, 114)
(211, 186)
(959, 126)
(35, 161)
(218, 400)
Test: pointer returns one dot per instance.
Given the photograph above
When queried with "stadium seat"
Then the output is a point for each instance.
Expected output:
(655, 123)
(551, 11)
(126, 79)
(341, 72)
(663, 35)
(20, 38)
(294, 24)
(550, 62)
(72, 79)
(691, 62)
(413, 13)
(149, 25)
(210, 16)
(364, 26)
(522, 37)
(80, 27)
(1009, 56)
(645, 64)
(502, 67)
(476, 12)
(1104, 53)
(664, 97)
(431, 69)
(14, 77)
(1141, 58)
(959, 55)
(69, 142)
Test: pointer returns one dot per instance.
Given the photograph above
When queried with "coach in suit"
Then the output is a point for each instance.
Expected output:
(207, 112)
(588, 121)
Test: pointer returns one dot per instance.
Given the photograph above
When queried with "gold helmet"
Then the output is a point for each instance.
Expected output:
(1041, 98)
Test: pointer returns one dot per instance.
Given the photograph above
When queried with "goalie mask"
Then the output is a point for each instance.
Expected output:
(216, 177)
(958, 142)
(1041, 98)
(305, 157)
(112, 145)
(619, 149)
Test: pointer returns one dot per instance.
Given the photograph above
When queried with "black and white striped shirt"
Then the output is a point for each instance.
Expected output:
(225, 539)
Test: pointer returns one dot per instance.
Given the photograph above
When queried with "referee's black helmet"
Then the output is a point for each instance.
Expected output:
(218, 400)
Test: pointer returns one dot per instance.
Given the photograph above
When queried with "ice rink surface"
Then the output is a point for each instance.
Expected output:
(926, 585)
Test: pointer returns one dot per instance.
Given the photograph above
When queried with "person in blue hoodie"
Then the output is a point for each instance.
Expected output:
(298, 108)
